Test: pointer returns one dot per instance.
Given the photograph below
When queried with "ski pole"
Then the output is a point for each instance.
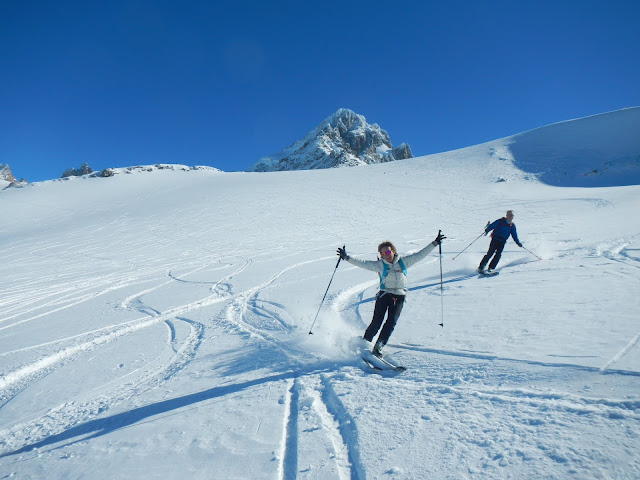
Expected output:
(483, 233)
(441, 297)
(325, 293)
(539, 258)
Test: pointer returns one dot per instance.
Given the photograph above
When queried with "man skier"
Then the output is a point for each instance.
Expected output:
(502, 229)
(392, 270)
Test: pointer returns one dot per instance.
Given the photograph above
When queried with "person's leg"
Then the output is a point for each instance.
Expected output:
(487, 257)
(378, 316)
(496, 258)
(394, 313)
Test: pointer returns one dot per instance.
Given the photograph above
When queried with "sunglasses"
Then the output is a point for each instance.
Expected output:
(386, 252)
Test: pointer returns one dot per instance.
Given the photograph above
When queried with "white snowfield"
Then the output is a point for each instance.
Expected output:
(156, 325)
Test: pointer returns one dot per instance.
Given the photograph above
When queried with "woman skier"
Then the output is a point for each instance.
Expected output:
(392, 269)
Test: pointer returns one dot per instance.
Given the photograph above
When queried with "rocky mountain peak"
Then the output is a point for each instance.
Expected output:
(6, 177)
(5, 174)
(342, 139)
(84, 169)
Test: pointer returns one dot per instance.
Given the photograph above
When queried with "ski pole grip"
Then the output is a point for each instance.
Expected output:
(340, 258)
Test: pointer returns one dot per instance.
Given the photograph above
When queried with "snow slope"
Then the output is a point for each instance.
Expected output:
(598, 151)
(156, 326)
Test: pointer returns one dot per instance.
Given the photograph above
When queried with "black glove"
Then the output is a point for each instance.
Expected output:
(438, 239)
(342, 252)
(486, 229)
(520, 245)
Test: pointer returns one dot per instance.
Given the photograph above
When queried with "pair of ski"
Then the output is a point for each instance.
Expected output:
(380, 363)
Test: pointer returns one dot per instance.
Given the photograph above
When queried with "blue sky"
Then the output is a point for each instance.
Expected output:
(121, 83)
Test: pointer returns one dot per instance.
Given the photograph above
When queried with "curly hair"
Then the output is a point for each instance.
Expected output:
(387, 244)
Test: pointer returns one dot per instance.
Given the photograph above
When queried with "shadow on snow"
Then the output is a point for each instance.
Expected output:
(103, 426)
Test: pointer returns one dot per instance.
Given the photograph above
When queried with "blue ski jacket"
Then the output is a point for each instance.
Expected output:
(502, 229)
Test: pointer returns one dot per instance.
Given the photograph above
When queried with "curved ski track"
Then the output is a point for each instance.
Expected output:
(65, 416)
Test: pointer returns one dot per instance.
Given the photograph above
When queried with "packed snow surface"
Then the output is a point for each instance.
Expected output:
(157, 326)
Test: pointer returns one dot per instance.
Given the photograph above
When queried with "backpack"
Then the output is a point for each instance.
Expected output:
(504, 222)
(385, 272)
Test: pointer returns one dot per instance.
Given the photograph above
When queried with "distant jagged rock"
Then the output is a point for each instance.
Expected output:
(6, 175)
(159, 167)
(8, 180)
(84, 169)
(111, 172)
(402, 151)
(343, 139)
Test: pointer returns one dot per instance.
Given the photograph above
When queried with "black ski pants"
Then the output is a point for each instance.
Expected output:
(389, 304)
(495, 247)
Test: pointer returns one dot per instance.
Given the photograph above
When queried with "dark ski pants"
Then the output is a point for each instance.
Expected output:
(496, 246)
(385, 302)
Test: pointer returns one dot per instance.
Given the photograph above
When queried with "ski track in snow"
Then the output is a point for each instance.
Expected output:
(314, 410)
(65, 416)
(335, 420)
(313, 405)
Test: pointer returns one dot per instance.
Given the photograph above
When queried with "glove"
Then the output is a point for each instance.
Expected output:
(438, 239)
(486, 229)
(342, 253)
(520, 245)
(486, 232)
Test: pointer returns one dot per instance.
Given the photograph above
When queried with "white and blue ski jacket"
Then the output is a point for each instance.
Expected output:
(393, 276)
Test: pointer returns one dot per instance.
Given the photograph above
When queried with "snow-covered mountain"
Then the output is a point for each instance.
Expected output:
(155, 324)
(343, 139)
(139, 169)
(597, 151)
(6, 177)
